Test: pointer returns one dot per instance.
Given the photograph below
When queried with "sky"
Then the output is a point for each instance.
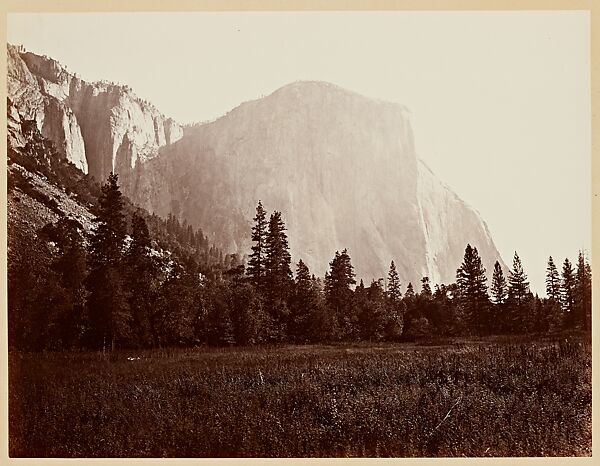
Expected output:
(499, 101)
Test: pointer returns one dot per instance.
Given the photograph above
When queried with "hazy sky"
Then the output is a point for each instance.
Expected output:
(500, 101)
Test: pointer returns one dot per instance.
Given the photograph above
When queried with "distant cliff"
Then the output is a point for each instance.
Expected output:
(99, 126)
(340, 167)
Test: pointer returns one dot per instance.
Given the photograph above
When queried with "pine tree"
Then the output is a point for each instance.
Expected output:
(395, 306)
(360, 287)
(107, 305)
(339, 295)
(303, 303)
(426, 288)
(499, 287)
(277, 281)
(143, 283)
(568, 289)
(372, 312)
(278, 274)
(552, 281)
(518, 297)
(410, 292)
(393, 292)
(583, 292)
(518, 286)
(447, 323)
(341, 273)
(472, 291)
(70, 324)
(256, 263)
(303, 277)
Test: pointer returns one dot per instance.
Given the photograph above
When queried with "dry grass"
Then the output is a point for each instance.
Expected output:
(507, 399)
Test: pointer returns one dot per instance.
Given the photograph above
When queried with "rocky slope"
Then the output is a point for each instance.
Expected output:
(341, 168)
(99, 126)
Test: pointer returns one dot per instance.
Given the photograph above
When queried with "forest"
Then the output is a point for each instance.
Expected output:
(139, 281)
(133, 336)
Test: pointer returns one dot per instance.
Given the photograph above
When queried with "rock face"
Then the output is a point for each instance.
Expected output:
(99, 126)
(340, 167)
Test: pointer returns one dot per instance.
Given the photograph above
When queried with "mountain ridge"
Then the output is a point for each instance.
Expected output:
(341, 167)
(100, 126)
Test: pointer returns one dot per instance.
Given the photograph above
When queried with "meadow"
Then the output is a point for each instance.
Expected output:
(470, 398)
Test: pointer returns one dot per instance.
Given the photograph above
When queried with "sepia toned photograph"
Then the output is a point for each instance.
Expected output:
(299, 234)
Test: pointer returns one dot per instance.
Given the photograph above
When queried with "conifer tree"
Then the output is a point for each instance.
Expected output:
(107, 305)
(568, 289)
(552, 281)
(583, 292)
(518, 297)
(303, 302)
(277, 281)
(339, 295)
(360, 287)
(394, 292)
(518, 286)
(278, 274)
(410, 292)
(70, 265)
(341, 274)
(372, 318)
(303, 277)
(395, 308)
(499, 287)
(256, 263)
(143, 282)
(472, 291)
(426, 288)
(499, 292)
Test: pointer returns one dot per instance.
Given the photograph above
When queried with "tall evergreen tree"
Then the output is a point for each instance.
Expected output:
(552, 281)
(372, 318)
(472, 291)
(499, 287)
(143, 283)
(303, 302)
(256, 263)
(583, 292)
(499, 292)
(341, 274)
(395, 306)
(518, 286)
(568, 290)
(410, 292)
(393, 291)
(518, 297)
(107, 305)
(70, 323)
(339, 295)
(426, 288)
(277, 282)
(278, 274)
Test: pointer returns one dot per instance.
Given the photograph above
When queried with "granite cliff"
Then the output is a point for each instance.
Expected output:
(99, 126)
(342, 169)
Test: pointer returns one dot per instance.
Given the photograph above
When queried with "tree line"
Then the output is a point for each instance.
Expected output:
(117, 287)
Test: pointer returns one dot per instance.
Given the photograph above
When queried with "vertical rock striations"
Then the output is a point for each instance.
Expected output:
(340, 167)
(99, 126)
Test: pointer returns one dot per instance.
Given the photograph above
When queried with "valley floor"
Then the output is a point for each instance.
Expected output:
(483, 398)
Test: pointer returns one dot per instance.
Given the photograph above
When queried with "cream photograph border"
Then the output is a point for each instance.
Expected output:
(593, 6)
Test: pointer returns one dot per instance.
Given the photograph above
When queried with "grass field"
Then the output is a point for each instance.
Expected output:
(470, 399)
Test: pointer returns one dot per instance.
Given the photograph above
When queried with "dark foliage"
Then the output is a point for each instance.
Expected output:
(494, 398)
(152, 282)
